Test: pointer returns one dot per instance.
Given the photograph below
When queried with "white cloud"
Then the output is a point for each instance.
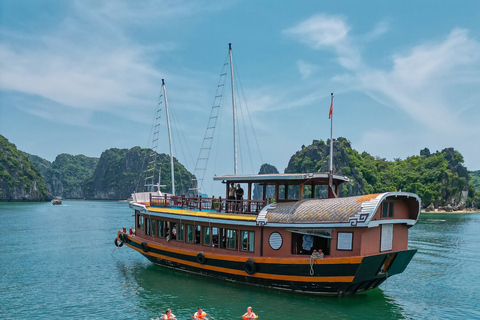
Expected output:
(306, 69)
(320, 31)
(88, 63)
(435, 83)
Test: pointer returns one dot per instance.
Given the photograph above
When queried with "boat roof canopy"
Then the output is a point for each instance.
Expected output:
(284, 178)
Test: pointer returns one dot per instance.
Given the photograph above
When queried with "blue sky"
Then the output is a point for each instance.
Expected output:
(80, 77)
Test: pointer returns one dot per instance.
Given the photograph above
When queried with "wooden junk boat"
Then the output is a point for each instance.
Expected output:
(332, 246)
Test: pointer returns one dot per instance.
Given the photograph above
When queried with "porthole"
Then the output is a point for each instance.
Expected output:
(275, 240)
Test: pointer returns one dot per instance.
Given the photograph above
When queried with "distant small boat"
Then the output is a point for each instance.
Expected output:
(56, 202)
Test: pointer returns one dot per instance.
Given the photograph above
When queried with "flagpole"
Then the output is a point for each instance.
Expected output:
(331, 135)
(331, 191)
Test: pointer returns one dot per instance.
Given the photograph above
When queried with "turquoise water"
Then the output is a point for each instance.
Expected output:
(59, 262)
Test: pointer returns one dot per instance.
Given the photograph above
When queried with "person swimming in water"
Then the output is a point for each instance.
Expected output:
(249, 314)
(200, 314)
(168, 315)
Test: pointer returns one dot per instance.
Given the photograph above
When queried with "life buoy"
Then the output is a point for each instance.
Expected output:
(118, 244)
(201, 258)
(145, 247)
(250, 266)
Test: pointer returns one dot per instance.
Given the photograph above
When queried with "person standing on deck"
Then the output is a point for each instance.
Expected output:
(239, 192)
(231, 192)
(239, 197)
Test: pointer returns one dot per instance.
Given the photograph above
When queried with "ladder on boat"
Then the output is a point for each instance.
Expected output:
(202, 160)
(152, 159)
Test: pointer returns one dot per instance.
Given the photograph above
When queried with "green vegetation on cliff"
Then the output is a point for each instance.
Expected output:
(65, 177)
(438, 178)
(121, 171)
(475, 179)
(20, 180)
(72, 171)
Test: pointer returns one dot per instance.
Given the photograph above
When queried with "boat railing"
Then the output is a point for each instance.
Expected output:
(208, 204)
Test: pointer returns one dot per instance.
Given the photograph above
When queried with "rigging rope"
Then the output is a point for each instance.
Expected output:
(248, 113)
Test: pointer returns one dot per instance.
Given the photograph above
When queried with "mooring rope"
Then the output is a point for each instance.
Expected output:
(315, 255)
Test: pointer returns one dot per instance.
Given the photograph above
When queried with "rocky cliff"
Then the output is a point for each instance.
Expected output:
(439, 178)
(20, 180)
(121, 171)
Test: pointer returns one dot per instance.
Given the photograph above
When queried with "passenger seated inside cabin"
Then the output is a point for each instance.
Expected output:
(174, 231)
(306, 244)
(197, 234)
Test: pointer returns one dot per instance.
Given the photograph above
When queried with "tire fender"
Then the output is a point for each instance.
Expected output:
(117, 243)
(250, 266)
(201, 258)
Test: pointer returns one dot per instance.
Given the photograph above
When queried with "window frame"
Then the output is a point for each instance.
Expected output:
(154, 228)
(351, 242)
(140, 222)
(147, 226)
(192, 229)
(180, 232)
(250, 240)
(388, 209)
(204, 233)
(229, 238)
(161, 228)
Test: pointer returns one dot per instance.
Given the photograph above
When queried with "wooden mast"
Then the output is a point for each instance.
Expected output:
(169, 137)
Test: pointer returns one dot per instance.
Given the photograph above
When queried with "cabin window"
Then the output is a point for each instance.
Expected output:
(161, 228)
(248, 240)
(197, 234)
(173, 231)
(140, 222)
(154, 227)
(231, 239)
(206, 236)
(189, 233)
(386, 240)
(147, 226)
(223, 238)
(275, 240)
(215, 237)
(387, 210)
(345, 241)
(167, 230)
(180, 232)
(306, 243)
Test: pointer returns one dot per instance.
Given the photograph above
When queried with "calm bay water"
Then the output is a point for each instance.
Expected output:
(59, 262)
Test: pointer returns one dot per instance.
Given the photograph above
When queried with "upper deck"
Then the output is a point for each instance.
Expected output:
(244, 205)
